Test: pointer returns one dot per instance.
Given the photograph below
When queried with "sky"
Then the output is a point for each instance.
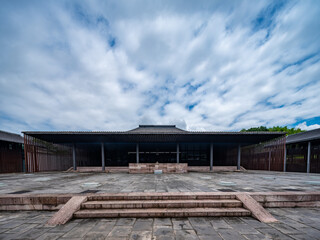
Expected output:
(201, 65)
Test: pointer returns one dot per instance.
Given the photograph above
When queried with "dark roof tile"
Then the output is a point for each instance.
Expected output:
(304, 136)
(157, 129)
(10, 137)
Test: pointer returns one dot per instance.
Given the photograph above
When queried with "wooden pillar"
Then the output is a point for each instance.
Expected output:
(25, 153)
(137, 152)
(285, 159)
(269, 160)
(74, 157)
(211, 156)
(102, 157)
(308, 157)
(239, 157)
(178, 152)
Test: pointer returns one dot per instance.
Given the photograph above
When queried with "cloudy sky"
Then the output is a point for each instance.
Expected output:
(202, 65)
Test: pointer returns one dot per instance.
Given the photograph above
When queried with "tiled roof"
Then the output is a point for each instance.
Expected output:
(304, 136)
(10, 137)
(156, 129)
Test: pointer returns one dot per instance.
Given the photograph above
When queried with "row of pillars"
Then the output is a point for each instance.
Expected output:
(137, 156)
(308, 158)
(211, 157)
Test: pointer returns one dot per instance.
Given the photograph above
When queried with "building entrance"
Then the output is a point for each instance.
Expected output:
(160, 152)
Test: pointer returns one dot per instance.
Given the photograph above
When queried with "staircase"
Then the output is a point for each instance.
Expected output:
(161, 205)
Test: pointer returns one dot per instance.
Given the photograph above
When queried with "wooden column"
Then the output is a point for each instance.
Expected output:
(74, 157)
(269, 160)
(102, 157)
(285, 159)
(308, 157)
(239, 157)
(178, 152)
(211, 156)
(137, 152)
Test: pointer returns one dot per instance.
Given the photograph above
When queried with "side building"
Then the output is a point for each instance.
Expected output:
(303, 152)
(11, 153)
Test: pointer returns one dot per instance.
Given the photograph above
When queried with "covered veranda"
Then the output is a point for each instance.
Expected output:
(47, 151)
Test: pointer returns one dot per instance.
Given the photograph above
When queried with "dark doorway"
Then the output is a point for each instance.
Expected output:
(158, 152)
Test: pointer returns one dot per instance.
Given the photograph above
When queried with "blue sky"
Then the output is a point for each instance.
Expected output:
(202, 65)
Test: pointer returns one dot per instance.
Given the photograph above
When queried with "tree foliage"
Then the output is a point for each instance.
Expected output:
(273, 129)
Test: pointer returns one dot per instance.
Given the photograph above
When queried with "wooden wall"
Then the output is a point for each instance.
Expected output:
(11, 157)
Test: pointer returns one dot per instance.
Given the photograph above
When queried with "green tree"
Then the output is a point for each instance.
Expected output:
(289, 131)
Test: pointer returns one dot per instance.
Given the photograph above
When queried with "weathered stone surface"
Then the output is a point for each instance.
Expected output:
(294, 223)
(184, 203)
(141, 225)
(141, 235)
(67, 211)
(256, 209)
(120, 231)
(186, 235)
(161, 212)
(181, 225)
(70, 183)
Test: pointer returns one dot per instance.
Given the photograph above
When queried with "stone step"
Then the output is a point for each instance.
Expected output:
(162, 212)
(162, 196)
(206, 203)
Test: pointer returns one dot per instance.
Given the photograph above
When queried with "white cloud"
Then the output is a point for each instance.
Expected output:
(204, 66)
(303, 126)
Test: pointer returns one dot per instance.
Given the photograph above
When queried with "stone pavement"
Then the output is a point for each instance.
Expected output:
(249, 181)
(294, 223)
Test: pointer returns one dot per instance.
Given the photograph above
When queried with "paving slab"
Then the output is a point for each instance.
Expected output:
(163, 231)
(95, 235)
(120, 231)
(230, 234)
(181, 224)
(143, 225)
(162, 222)
(125, 221)
(219, 223)
(186, 235)
(141, 235)
(103, 226)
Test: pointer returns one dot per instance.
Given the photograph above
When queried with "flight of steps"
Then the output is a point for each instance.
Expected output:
(161, 205)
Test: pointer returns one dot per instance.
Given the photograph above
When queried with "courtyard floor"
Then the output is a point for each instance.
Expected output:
(294, 223)
(248, 181)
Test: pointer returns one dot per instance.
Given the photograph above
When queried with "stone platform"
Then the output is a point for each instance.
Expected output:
(50, 191)
(200, 169)
(146, 205)
(151, 167)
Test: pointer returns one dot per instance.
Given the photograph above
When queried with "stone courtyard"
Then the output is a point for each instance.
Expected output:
(247, 181)
(294, 223)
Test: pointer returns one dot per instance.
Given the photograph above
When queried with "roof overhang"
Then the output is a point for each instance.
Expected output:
(10, 137)
(303, 137)
(243, 138)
